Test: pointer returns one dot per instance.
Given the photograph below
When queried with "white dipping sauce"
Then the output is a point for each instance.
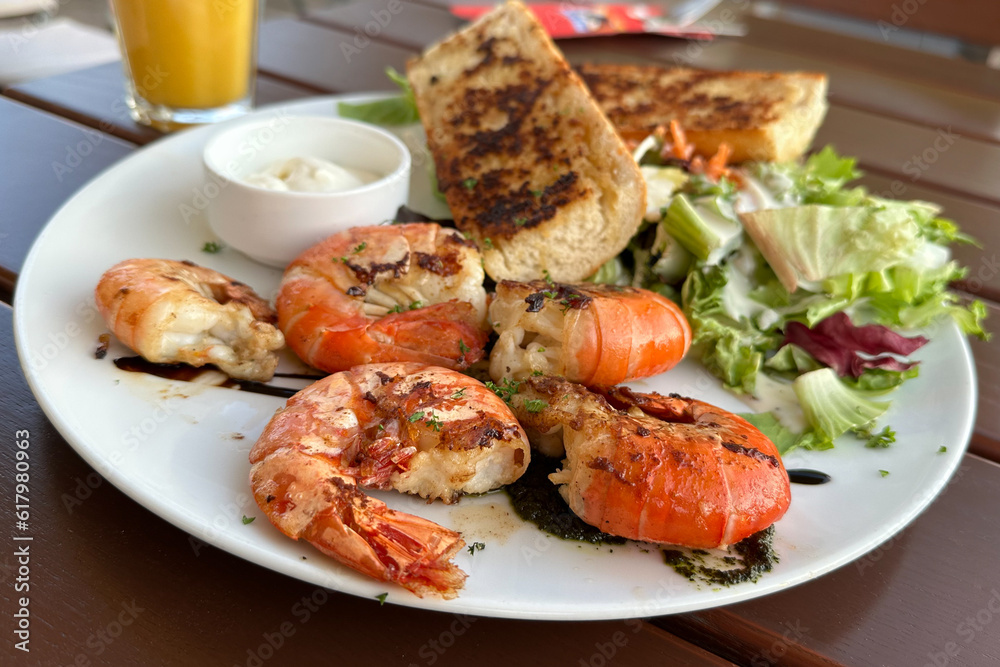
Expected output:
(310, 174)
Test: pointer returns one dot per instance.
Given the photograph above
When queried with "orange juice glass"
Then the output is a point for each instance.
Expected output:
(187, 62)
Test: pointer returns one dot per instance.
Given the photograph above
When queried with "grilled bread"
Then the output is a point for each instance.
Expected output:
(763, 116)
(531, 168)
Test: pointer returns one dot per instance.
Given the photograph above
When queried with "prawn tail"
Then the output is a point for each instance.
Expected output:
(410, 551)
(445, 334)
(307, 497)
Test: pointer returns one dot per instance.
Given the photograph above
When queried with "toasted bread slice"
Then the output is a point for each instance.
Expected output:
(763, 116)
(530, 166)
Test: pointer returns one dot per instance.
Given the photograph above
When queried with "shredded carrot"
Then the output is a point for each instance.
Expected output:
(680, 148)
(716, 168)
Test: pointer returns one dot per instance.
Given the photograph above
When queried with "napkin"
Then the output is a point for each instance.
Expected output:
(30, 51)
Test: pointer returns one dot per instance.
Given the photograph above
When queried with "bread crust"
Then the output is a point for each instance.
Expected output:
(763, 116)
(532, 169)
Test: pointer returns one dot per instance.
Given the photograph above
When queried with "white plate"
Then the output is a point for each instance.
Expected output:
(181, 450)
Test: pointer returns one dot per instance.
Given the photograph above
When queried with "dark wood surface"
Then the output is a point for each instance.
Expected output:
(98, 559)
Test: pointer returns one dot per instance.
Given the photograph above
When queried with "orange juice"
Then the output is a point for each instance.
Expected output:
(188, 54)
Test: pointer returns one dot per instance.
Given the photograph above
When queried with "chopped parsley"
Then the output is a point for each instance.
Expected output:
(358, 248)
(416, 304)
(381, 598)
(381, 428)
(248, 519)
(470, 183)
(416, 416)
(942, 449)
(883, 438)
(884, 473)
(211, 247)
(434, 422)
(476, 546)
(506, 389)
(536, 193)
(548, 277)
(536, 373)
(459, 393)
(520, 221)
(535, 405)
(396, 309)
(462, 347)
(488, 242)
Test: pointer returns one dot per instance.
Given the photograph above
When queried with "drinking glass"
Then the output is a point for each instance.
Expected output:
(187, 62)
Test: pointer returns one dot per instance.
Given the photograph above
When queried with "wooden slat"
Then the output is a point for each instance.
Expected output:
(327, 59)
(115, 585)
(404, 24)
(908, 602)
(970, 20)
(45, 160)
(95, 97)
(945, 73)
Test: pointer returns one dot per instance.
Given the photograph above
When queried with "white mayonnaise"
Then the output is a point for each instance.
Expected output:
(310, 174)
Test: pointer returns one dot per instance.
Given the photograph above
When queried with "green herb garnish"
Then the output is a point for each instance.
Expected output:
(535, 405)
(381, 598)
(884, 473)
(416, 416)
(476, 546)
(506, 389)
(470, 183)
(211, 247)
(248, 519)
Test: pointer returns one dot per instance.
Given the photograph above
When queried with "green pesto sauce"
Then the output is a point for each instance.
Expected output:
(537, 500)
(754, 556)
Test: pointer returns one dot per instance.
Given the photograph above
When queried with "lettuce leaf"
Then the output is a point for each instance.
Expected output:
(399, 110)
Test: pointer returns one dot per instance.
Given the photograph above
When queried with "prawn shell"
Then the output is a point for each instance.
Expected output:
(625, 334)
(607, 334)
(661, 469)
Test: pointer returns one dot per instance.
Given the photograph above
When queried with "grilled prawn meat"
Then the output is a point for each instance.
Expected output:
(179, 312)
(655, 468)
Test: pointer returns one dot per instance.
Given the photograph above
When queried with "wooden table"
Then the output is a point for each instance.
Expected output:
(112, 584)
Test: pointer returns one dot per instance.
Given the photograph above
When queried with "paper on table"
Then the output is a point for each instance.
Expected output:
(12, 8)
(30, 51)
(562, 20)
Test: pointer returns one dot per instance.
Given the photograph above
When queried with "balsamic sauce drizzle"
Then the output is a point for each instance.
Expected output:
(807, 476)
(186, 373)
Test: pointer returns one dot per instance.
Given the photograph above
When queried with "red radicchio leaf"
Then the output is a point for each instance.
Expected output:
(836, 342)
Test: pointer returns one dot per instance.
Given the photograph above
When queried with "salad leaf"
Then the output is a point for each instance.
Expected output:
(399, 110)
(808, 244)
(704, 233)
(836, 342)
(831, 407)
(783, 438)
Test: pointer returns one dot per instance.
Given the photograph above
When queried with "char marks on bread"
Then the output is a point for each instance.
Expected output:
(530, 166)
(763, 116)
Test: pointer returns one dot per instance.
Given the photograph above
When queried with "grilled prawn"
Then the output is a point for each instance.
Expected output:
(414, 428)
(409, 292)
(179, 312)
(655, 468)
(593, 334)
